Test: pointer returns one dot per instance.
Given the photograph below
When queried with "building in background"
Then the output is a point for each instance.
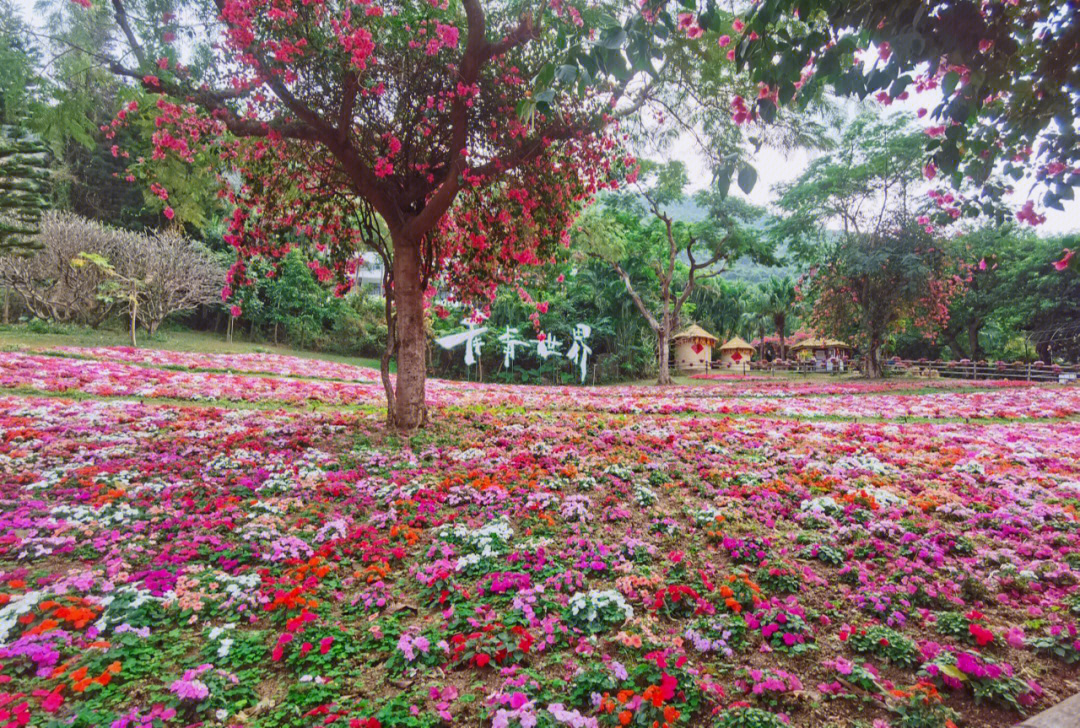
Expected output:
(693, 349)
(736, 354)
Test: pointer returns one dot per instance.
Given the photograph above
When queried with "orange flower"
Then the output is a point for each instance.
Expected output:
(625, 717)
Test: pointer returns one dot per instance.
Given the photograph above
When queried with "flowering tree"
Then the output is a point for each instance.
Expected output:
(1007, 72)
(872, 285)
(456, 139)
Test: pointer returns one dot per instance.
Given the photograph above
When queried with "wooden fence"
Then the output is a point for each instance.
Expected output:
(1029, 372)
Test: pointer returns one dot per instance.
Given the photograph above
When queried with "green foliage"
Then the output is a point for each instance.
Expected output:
(864, 182)
(1018, 64)
(24, 177)
(290, 304)
(749, 718)
(887, 644)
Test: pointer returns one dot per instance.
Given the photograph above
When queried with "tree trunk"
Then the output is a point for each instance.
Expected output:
(410, 411)
(391, 344)
(783, 346)
(134, 313)
(973, 340)
(7, 305)
(663, 356)
(873, 361)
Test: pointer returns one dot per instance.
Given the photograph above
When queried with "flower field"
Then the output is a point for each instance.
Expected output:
(236, 540)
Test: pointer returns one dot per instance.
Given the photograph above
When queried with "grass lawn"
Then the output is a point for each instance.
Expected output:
(203, 342)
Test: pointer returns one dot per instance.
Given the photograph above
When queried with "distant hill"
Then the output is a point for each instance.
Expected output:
(743, 270)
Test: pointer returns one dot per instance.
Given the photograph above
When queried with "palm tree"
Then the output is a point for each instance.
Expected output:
(755, 322)
(779, 301)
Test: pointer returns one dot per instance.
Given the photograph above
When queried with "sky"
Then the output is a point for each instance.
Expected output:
(777, 166)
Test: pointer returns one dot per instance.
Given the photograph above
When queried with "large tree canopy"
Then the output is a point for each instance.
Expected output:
(1008, 73)
(474, 131)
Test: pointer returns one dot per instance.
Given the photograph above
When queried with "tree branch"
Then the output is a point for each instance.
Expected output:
(649, 318)
(122, 20)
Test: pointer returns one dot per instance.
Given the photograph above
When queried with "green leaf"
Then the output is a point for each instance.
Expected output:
(948, 84)
(613, 38)
(566, 74)
(747, 178)
(952, 671)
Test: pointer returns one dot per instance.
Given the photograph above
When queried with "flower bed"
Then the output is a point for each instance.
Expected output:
(106, 377)
(168, 565)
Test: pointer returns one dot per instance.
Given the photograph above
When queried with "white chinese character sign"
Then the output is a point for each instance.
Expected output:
(579, 352)
(471, 338)
(510, 342)
(547, 345)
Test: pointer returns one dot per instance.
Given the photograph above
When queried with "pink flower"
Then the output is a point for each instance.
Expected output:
(53, 701)
(169, 213)
(542, 307)
(1065, 260)
(235, 312)
(724, 41)
(738, 25)
(1015, 638)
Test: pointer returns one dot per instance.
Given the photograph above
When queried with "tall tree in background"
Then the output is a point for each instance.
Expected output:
(873, 285)
(720, 305)
(985, 254)
(756, 321)
(680, 254)
(868, 179)
(24, 163)
(779, 301)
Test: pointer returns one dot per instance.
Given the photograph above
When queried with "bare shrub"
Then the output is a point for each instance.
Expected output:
(49, 285)
(177, 275)
(149, 276)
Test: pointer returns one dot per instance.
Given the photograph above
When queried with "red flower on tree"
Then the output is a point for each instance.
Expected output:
(445, 137)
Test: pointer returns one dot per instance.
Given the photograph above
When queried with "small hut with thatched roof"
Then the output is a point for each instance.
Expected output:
(827, 354)
(736, 354)
(693, 349)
